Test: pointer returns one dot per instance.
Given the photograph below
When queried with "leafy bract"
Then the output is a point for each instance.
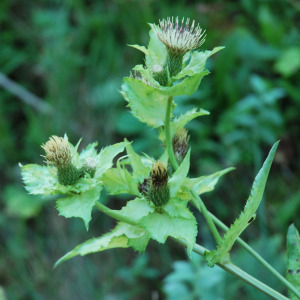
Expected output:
(119, 181)
(293, 254)
(197, 63)
(201, 184)
(245, 218)
(181, 121)
(139, 170)
(106, 156)
(79, 205)
(43, 179)
(122, 236)
(179, 175)
(162, 225)
(147, 103)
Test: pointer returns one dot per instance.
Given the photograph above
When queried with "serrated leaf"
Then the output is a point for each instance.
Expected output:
(201, 184)
(147, 103)
(39, 180)
(161, 225)
(106, 156)
(187, 86)
(79, 205)
(135, 209)
(293, 264)
(197, 63)
(122, 236)
(42, 180)
(179, 175)
(140, 171)
(119, 181)
(180, 121)
(246, 217)
(156, 49)
(140, 48)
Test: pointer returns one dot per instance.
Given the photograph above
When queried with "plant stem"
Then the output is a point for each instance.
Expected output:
(114, 215)
(209, 217)
(175, 165)
(169, 136)
(259, 258)
(234, 270)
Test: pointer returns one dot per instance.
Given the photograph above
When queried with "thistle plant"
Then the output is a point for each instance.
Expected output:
(161, 190)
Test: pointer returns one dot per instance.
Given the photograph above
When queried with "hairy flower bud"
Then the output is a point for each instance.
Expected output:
(89, 167)
(179, 39)
(180, 144)
(160, 74)
(159, 192)
(58, 154)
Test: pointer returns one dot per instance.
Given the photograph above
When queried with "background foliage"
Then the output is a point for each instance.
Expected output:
(73, 55)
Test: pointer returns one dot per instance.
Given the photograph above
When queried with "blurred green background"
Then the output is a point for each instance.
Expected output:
(72, 55)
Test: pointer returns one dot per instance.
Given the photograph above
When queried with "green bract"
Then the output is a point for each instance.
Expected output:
(80, 197)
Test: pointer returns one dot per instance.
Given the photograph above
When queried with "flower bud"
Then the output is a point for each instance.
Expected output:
(179, 39)
(159, 192)
(160, 74)
(180, 144)
(58, 154)
(89, 167)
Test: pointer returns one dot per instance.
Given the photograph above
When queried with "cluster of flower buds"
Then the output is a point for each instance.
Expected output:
(179, 38)
(58, 154)
(155, 187)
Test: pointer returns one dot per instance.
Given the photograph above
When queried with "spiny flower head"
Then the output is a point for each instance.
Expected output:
(159, 175)
(180, 144)
(158, 191)
(58, 152)
(180, 38)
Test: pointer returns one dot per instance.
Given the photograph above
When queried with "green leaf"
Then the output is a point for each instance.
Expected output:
(140, 171)
(140, 48)
(135, 209)
(247, 215)
(201, 184)
(122, 236)
(119, 181)
(42, 180)
(180, 121)
(106, 156)
(156, 49)
(187, 86)
(39, 180)
(293, 254)
(147, 103)
(162, 225)
(79, 205)
(179, 175)
(197, 63)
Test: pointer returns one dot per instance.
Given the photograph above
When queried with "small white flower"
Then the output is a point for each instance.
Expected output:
(178, 37)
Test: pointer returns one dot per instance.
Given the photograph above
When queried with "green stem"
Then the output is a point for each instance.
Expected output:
(175, 165)
(169, 136)
(114, 215)
(259, 258)
(209, 217)
(236, 271)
